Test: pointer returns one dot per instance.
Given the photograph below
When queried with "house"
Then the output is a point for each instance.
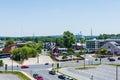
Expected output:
(9, 48)
(112, 47)
(78, 46)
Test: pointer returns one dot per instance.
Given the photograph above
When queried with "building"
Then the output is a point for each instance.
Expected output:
(78, 46)
(94, 44)
(2, 43)
(8, 49)
(112, 47)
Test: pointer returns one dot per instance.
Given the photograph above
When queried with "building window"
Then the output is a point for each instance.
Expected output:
(108, 46)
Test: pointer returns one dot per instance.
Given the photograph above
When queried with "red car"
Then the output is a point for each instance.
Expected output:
(40, 78)
(24, 66)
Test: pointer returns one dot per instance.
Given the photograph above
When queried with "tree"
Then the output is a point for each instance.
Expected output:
(39, 46)
(60, 42)
(82, 41)
(70, 52)
(31, 45)
(9, 42)
(64, 57)
(1, 63)
(69, 39)
(103, 51)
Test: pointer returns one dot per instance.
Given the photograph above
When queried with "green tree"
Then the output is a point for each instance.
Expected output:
(32, 45)
(9, 42)
(60, 42)
(39, 46)
(69, 39)
(70, 52)
(1, 63)
(82, 41)
(64, 57)
(103, 51)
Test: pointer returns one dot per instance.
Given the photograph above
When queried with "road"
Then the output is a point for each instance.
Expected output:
(42, 69)
(8, 77)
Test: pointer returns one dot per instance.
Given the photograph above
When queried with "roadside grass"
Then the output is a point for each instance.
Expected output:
(19, 74)
(114, 64)
(90, 66)
(86, 68)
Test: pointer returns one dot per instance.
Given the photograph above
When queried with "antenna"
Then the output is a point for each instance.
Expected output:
(91, 33)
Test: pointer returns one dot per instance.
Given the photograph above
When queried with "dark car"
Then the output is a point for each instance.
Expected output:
(68, 78)
(35, 76)
(111, 59)
(46, 63)
(52, 72)
(40, 78)
(118, 58)
(61, 76)
(24, 66)
(96, 59)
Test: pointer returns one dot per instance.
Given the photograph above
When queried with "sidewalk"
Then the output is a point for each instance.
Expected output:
(42, 59)
(9, 62)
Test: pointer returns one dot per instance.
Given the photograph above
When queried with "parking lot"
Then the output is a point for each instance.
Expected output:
(8, 77)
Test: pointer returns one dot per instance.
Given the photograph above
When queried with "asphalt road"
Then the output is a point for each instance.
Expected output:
(8, 77)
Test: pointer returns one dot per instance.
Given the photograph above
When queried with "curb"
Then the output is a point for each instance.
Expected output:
(28, 75)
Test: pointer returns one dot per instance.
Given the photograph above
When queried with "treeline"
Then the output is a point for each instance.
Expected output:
(105, 36)
(53, 38)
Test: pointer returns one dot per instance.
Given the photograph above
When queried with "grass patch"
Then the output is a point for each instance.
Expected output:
(19, 74)
(114, 64)
(59, 68)
(94, 64)
(86, 68)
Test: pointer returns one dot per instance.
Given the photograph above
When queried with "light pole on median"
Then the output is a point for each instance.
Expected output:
(38, 57)
(116, 72)
(12, 61)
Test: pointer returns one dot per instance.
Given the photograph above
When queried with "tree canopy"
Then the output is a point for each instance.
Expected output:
(9, 42)
(69, 39)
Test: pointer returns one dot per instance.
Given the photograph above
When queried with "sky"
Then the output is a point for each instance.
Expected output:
(53, 17)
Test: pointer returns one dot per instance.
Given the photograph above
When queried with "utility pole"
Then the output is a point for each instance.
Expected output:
(116, 72)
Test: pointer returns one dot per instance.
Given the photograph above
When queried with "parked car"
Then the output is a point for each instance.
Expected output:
(40, 78)
(61, 76)
(24, 66)
(118, 58)
(35, 76)
(111, 59)
(52, 72)
(96, 59)
(68, 78)
(46, 63)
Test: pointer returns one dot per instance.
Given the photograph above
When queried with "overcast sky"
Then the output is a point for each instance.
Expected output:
(53, 17)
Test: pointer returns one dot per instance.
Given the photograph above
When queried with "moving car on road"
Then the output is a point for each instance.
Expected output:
(40, 78)
(24, 66)
(62, 76)
(111, 59)
(35, 76)
(52, 72)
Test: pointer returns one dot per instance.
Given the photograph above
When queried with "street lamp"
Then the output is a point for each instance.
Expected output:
(91, 77)
(117, 71)
(38, 57)
(12, 61)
